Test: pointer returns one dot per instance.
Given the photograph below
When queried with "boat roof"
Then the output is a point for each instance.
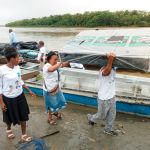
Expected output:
(124, 42)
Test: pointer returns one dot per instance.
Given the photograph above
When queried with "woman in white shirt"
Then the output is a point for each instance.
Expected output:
(54, 99)
(12, 99)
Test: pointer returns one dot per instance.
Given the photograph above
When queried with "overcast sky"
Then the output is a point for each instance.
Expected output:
(20, 9)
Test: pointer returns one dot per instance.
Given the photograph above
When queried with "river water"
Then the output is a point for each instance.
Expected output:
(54, 38)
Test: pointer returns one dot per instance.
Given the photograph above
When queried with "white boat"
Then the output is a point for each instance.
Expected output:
(81, 87)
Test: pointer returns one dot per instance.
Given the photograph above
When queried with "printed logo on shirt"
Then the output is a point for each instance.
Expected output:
(17, 84)
(10, 89)
(19, 74)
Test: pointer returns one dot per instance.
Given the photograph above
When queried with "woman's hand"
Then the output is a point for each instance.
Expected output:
(3, 107)
(65, 64)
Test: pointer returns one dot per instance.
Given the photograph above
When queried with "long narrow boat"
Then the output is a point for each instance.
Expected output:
(81, 86)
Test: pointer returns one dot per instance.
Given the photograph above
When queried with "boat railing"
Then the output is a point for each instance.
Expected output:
(86, 81)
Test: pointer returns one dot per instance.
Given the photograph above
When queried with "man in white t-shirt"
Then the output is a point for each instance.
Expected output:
(42, 55)
(106, 97)
(13, 38)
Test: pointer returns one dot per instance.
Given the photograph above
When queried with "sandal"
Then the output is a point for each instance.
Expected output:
(52, 122)
(10, 134)
(57, 115)
(25, 138)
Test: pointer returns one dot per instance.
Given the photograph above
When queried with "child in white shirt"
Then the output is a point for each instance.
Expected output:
(42, 55)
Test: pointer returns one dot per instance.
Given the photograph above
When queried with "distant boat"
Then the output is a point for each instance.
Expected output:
(27, 50)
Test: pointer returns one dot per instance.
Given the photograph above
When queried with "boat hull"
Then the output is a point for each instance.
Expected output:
(139, 109)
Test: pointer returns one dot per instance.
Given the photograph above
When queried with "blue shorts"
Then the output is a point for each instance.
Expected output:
(54, 103)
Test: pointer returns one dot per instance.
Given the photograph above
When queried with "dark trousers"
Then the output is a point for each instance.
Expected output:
(14, 45)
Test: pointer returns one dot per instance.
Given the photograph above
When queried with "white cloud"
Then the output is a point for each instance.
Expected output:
(18, 9)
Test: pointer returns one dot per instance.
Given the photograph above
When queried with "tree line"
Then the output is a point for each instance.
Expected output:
(89, 19)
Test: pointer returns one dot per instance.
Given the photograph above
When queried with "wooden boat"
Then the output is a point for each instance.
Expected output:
(81, 87)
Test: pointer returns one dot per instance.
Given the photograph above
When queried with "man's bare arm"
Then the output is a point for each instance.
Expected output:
(106, 70)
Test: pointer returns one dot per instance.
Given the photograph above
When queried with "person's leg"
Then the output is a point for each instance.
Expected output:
(8, 122)
(61, 104)
(9, 132)
(101, 113)
(41, 65)
(23, 127)
(8, 126)
(110, 118)
(49, 100)
(57, 115)
(24, 137)
(51, 121)
(111, 115)
(49, 115)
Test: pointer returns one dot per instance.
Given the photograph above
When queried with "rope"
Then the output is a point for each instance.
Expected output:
(131, 65)
(91, 55)
(95, 59)
(81, 57)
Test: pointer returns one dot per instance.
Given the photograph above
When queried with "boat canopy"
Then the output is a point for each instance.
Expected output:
(132, 47)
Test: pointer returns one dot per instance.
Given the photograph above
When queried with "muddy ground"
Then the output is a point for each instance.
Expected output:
(76, 134)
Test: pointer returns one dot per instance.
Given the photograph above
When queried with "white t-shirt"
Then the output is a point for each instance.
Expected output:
(50, 78)
(10, 81)
(107, 86)
(42, 51)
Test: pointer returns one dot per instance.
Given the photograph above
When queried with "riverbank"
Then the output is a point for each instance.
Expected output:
(70, 27)
(76, 134)
(90, 19)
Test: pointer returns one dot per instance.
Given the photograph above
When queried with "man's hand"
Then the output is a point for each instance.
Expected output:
(107, 69)
(3, 107)
(111, 56)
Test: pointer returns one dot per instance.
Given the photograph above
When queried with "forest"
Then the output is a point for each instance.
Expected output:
(89, 19)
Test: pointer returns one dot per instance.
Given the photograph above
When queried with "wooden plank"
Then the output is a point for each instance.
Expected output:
(30, 75)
